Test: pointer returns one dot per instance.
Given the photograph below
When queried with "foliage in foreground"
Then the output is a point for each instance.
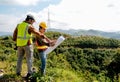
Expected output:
(77, 59)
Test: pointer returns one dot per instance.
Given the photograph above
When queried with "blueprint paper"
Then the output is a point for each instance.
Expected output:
(58, 42)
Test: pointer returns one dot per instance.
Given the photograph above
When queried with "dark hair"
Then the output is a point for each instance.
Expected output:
(29, 17)
(40, 27)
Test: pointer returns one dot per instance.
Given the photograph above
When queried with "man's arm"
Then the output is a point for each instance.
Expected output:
(40, 35)
(47, 39)
(51, 42)
(34, 31)
(15, 34)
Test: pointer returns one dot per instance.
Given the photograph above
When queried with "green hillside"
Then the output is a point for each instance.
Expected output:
(77, 59)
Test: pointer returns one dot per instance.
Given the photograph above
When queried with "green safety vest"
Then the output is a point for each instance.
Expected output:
(22, 35)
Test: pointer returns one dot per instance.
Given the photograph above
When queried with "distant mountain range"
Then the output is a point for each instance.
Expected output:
(115, 35)
(5, 33)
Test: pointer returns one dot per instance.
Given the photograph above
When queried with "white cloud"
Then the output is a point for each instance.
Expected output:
(27, 2)
(88, 14)
(19, 2)
(8, 22)
(101, 15)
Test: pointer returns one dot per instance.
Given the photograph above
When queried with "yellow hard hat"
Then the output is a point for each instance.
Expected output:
(43, 25)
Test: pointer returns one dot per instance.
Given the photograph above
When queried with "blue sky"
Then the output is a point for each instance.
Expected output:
(101, 15)
(8, 8)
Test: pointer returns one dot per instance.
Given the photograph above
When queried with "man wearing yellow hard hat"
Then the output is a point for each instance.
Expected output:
(42, 44)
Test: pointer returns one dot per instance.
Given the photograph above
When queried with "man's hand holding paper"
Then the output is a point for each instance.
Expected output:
(52, 43)
(55, 44)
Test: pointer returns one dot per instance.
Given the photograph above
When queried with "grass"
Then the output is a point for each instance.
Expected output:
(64, 75)
(52, 74)
(60, 72)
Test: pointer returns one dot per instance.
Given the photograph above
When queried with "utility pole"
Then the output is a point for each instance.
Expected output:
(48, 19)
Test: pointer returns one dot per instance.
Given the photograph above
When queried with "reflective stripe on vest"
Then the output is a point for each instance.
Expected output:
(23, 36)
(42, 47)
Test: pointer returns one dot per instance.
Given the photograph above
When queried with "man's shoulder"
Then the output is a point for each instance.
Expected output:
(29, 25)
(30, 28)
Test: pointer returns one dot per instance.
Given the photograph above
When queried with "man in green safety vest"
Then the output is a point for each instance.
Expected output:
(23, 37)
